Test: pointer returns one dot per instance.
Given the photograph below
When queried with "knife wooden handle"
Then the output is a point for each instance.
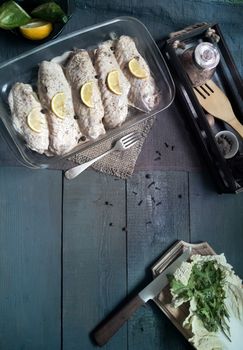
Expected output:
(110, 326)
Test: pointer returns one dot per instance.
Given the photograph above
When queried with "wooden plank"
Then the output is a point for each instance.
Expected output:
(169, 145)
(94, 261)
(217, 219)
(157, 215)
(30, 247)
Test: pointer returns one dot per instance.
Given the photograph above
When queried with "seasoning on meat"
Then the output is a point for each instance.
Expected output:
(24, 103)
(143, 93)
(115, 106)
(64, 132)
(89, 110)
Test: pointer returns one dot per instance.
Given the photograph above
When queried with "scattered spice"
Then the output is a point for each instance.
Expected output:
(148, 176)
(172, 148)
(106, 203)
(124, 229)
(158, 203)
(158, 158)
(157, 188)
(153, 200)
(151, 184)
(110, 224)
(139, 203)
(158, 152)
(134, 193)
(166, 144)
(148, 222)
(179, 196)
(82, 138)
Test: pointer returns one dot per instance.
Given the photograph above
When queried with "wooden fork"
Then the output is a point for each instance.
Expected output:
(214, 101)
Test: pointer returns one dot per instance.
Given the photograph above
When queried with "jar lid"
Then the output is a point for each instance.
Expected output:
(206, 55)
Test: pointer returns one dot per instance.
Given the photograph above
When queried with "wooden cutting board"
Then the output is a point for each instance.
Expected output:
(163, 300)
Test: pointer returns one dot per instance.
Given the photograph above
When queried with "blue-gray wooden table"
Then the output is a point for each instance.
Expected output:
(70, 252)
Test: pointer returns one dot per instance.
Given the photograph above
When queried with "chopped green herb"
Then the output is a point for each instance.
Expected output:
(205, 285)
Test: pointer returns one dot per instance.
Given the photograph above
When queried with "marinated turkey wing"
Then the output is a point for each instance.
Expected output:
(143, 93)
(79, 70)
(115, 106)
(64, 133)
(22, 100)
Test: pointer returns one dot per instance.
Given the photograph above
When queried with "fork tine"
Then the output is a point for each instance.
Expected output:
(131, 137)
(134, 139)
(127, 136)
(135, 134)
(209, 87)
(205, 89)
(199, 93)
(130, 144)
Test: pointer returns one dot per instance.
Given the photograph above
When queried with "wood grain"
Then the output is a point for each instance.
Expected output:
(30, 256)
(157, 215)
(106, 330)
(94, 257)
(217, 219)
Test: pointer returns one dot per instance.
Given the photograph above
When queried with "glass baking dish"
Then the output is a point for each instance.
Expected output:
(24, 68)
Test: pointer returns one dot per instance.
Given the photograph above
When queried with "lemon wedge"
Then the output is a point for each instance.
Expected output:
(36, 30)
(113, 82)
(136, 69)
(86, 94)
(34, 120)
(58, 105)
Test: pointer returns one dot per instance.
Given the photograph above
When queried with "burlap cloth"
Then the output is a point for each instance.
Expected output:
(119, 164)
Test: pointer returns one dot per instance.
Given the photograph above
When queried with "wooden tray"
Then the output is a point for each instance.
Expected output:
(163, 300)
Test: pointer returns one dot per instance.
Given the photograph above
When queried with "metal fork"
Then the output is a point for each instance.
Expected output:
(122, 144)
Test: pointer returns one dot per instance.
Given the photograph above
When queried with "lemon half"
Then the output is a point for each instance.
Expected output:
(86, 94)
(136, 69)
(58, 105)
(36, 30)
(114, 83)
(34, 120)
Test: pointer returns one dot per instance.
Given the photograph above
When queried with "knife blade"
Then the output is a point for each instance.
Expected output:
(110, 326)
(155, 287)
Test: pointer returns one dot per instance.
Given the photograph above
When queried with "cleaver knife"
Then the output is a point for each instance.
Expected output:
(110, 326)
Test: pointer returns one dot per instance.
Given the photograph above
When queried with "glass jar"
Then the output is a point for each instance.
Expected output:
(200, 62)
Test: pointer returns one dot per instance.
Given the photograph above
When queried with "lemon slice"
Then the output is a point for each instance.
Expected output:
(136, 69)
(86, 94)
(34, 120)
(58, 105)
(113, 82)
(36, 30)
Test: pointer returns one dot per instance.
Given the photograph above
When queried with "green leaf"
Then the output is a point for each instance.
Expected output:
(50, 11)
(12, 15)
(205, 286)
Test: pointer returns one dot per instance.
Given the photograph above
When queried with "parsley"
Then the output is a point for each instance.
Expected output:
(205, 285)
